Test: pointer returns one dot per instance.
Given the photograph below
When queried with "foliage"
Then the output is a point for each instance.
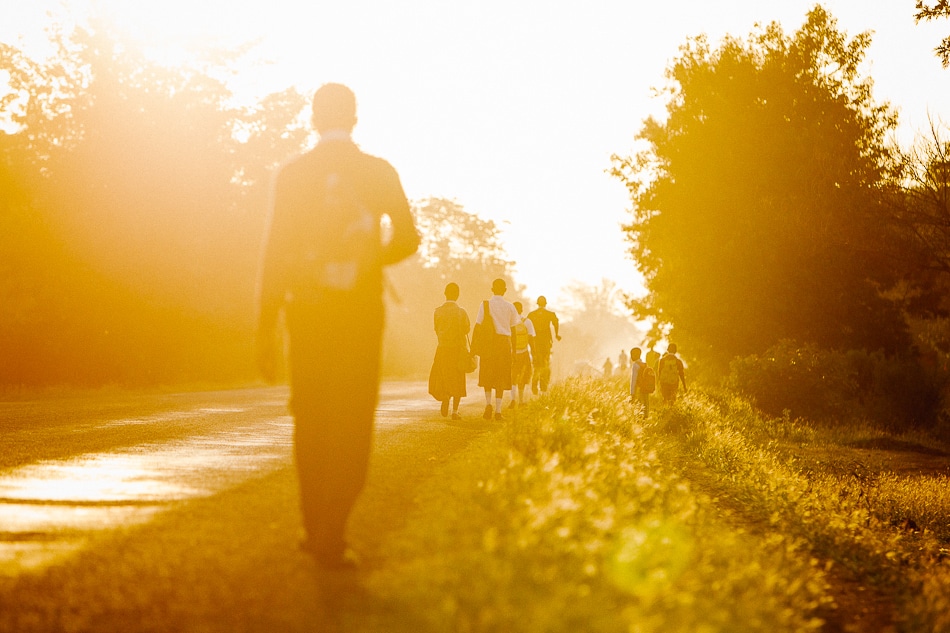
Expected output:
(133, 229)
(940, 9)
(807, 381)
(920, 213)
(460, 245)
(757, 202)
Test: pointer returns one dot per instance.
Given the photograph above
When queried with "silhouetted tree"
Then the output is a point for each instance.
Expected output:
(940, 9)
(757, 205)
(923, 208)
(137, 216)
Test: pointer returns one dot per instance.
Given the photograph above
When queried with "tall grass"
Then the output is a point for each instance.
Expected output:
(571, 518)
(886, 530)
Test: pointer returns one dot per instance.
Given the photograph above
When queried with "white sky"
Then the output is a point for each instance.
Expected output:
(511, 107)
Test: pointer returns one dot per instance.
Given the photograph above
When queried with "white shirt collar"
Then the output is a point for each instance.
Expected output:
(336, 135)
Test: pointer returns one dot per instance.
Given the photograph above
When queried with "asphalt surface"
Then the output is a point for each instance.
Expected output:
(97, 487)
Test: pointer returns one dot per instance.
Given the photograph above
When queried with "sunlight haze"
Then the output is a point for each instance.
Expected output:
(511, 108)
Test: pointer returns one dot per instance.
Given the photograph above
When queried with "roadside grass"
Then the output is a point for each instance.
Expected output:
(886, 530)
(570, 517)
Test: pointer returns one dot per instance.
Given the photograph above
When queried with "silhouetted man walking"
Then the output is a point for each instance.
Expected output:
(543, 320)
(323, 263)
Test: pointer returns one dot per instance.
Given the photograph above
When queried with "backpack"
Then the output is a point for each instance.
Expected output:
(646, 379)
(346, 255)
(669, 371)
(519, 337)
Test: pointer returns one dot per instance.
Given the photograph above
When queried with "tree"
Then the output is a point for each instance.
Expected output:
(136, 222)
(940, 9)
(922, 208)
(459, 244)
(757, 205)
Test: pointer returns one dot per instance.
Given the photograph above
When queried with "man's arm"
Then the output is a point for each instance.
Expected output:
(273, 280)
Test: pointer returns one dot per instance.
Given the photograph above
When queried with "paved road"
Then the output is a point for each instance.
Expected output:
(74, 467)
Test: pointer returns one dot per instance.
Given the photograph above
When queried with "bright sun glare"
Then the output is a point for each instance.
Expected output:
(513, 109)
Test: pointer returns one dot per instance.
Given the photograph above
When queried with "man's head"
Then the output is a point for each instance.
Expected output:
(671, 348)
(635, 353)
(499, 287)
(452, 291)
(334, 108)
(542, 301)
(518, 306)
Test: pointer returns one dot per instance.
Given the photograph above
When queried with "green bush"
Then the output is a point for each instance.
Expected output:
(804, 380)
(823, 385)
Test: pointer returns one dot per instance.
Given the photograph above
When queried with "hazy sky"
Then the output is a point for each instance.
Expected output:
(511, 107)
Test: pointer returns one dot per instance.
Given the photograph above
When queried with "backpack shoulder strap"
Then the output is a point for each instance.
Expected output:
(487, 315)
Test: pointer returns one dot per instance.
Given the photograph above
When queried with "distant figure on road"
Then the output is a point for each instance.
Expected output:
(447, 379)
(543, 320)
(323, 261)
(652, 358)
(521, 336)
(670, 372)
(494, 372)
(608, 368)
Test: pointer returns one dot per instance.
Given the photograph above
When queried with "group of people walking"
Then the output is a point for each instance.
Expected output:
(515, 351)
(666, 371)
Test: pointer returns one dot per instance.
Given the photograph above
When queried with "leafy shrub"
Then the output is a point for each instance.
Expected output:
(822, 385)
(805, 380)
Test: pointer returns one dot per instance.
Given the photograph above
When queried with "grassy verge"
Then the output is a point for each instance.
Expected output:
(885, 531)
(572, 518)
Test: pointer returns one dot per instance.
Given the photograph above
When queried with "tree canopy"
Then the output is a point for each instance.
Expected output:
(132, 206)
(928, 11)
(757, 207)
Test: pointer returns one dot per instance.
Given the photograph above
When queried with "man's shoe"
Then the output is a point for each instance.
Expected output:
(346, 560)
(445, 408)
(456, 416)
(512, 405)
(499, 417)
(488, 412)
